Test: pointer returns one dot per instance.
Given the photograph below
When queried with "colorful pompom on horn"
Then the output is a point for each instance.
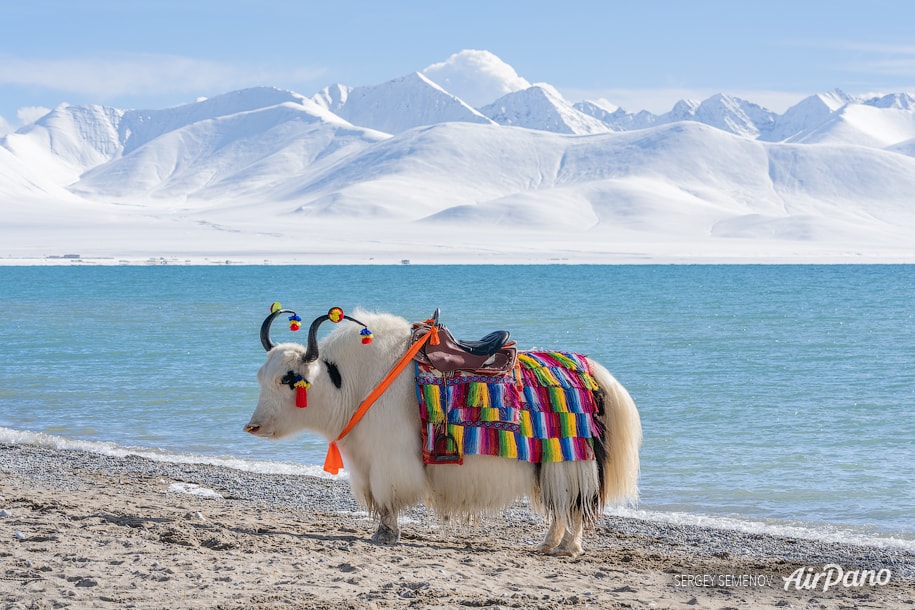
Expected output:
(335, 314)
(295, 322)
(366, 335)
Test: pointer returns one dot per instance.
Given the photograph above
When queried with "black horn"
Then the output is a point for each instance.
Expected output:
(311, 350)
(266, 341)
(334, 315)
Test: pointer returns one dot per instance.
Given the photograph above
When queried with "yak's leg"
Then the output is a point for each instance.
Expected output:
(388, 531)
(571, 542)
(553, 536)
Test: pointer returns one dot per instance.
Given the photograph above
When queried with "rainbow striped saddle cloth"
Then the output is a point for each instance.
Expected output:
(541, 411)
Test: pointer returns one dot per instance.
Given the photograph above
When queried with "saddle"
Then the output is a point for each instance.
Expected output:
(494, 354)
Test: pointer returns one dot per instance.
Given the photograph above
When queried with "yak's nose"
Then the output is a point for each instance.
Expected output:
(252, 428)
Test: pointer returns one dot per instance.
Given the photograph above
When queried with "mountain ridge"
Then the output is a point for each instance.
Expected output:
(720, 171)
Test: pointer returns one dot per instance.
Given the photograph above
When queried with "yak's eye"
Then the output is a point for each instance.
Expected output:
(289, 379)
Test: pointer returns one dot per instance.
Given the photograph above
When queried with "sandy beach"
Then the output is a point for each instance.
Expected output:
(81, 530)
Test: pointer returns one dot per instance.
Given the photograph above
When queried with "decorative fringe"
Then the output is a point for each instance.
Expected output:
(542, 412)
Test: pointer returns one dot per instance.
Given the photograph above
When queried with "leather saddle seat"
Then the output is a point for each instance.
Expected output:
(494, 354)
(487, 346)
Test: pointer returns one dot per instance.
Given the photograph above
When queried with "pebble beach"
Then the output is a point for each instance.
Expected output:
(85, 530)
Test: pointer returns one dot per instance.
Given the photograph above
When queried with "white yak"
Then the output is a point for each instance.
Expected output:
(383, 450)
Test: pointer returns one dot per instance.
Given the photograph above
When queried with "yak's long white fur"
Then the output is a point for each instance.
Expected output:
(622, 439)
(383, 452)
(482, 484)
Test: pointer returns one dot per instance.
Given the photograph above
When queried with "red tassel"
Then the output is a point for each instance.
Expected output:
(301, 395)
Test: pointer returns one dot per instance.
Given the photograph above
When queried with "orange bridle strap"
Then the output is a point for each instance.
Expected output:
(334, 462)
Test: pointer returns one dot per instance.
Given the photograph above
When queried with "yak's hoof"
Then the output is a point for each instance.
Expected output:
(386, 535)
(560, 551)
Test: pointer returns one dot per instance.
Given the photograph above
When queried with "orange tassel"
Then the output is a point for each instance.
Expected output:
(333, 462)
(433, 338)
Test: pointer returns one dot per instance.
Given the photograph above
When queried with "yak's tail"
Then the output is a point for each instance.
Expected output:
(618, 451)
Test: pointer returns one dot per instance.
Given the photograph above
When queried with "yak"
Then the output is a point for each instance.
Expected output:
(383, 452)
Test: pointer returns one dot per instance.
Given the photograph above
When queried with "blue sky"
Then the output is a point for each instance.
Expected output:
(640, 55)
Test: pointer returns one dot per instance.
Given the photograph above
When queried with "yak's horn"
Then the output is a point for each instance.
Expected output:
(311, 350)
(266, 341)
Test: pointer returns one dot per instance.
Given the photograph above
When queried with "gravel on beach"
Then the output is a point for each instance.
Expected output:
(57, 496)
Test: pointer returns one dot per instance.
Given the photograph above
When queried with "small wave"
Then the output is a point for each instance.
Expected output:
(50, 441)
(820, 532)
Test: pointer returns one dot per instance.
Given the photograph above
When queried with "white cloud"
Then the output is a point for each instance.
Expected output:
(477, 77)
(895, 66)
(30, 114)
(25, 115)
(882, 58)
(882, 48)
(109, 77)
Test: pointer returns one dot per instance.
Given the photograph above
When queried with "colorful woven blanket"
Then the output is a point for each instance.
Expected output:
(542, 412)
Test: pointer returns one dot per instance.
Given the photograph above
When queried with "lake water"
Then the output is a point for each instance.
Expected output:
(777, 395)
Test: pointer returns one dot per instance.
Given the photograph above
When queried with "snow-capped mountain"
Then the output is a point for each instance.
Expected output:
(236, 155)
(542, 107)
(68, 141)
(735, 115)
(877, 122)
(724, 112)
(410, 158)
(809, 113)
(398, 105)
(616, 118)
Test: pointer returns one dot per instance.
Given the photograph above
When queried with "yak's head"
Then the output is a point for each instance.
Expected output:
(312, 387)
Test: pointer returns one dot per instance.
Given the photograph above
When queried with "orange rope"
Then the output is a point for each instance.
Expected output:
(334, 462)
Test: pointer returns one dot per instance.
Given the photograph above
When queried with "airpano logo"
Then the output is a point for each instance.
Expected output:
(833, 575)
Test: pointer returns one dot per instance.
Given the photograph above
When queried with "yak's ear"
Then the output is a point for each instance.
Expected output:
(334, 374)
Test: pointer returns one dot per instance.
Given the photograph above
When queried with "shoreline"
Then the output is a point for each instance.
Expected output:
(433, 261)
(85, 530)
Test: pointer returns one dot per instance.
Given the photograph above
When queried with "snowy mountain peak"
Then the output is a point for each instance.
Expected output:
(833, 100)
(735, 115)
(602, 105)
(898, 101)
(477, 77)
(142, 126)
(332, 97)
(809, 113)
(542, 107)
(398, 105)
(683, 110)
(68, 140)
(602, 110)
